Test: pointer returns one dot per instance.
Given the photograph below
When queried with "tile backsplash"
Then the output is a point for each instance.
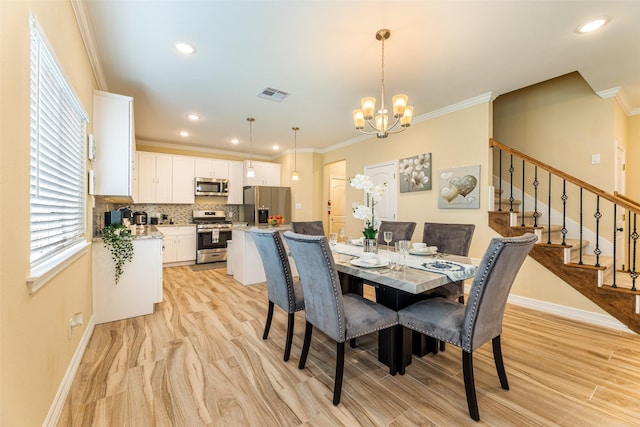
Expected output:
(180, 214)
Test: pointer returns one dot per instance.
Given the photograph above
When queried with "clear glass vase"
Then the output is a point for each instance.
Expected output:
(370, 245)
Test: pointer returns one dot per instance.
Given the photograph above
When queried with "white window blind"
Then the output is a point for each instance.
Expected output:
(58, 134)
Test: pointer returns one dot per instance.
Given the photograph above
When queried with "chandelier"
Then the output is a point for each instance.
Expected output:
(294, 175)
(402, 113)
(251, 173)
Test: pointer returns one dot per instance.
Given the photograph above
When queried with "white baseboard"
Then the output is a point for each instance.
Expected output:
(598, 319)
(63, 390)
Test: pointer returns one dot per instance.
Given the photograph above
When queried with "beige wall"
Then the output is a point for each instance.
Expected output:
(457, 139)
(633, 158)
(34, 348)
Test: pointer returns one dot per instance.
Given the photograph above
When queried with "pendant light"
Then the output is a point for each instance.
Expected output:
(294, 175)
(251, 173)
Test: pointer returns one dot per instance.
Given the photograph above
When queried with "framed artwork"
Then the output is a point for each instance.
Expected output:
(415, 173)
(459, 188)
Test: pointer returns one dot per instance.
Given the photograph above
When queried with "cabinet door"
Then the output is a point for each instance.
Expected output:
(183, 174)
(272, 174)
(146, 177)
(259, 170)
(169, 248)
(236, 181)
(186, 250)
(220, 169)
(204, 168)
(164, 178)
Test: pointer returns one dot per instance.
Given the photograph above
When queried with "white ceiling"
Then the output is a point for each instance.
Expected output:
(324, 53)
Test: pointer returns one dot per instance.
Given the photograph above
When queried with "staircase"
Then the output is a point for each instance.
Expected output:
(590, 272)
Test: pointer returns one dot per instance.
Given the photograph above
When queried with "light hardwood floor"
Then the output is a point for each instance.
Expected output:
(200, 360)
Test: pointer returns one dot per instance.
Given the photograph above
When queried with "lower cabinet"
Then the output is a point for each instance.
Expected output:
(140, 285)
(179, 245)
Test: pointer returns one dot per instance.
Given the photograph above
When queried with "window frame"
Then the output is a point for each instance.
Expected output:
(60, 255)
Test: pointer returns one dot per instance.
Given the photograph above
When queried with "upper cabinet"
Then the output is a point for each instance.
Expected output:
(183, 180)
(236, 171)
(155, 177)
(115, 146)
(266, 173)
(212, 168)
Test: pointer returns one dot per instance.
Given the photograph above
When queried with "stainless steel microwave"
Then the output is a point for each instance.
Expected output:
(212, 187)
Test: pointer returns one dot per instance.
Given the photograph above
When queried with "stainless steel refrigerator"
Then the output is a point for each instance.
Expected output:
(261, 202)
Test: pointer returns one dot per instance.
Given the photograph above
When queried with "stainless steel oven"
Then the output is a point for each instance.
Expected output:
(212, 233)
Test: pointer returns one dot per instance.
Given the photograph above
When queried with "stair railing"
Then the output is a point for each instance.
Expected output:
(600, 216)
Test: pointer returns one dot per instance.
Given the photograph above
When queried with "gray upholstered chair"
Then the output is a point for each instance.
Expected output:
(341, 317)
(283, 289)
(454, 239)
(401, 231)
(480, 320)
(312, 228)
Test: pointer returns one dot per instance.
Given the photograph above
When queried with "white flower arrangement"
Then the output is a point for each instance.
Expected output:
(373, 194)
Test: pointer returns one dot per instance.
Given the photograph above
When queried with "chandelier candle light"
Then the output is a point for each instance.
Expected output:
(373, 195)
(251, 173)
(402, 113)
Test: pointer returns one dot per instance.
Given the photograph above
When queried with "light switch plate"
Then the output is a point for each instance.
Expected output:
(298, 205)
(595, 159)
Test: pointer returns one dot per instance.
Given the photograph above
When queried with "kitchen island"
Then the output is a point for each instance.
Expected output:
(247, 264)
(140, 285)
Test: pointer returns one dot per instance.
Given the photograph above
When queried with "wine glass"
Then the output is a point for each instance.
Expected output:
(333, 239)
(341, 234)
(388, 237)
(404, 250)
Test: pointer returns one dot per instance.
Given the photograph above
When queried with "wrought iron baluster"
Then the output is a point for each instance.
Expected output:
(615, 238)
(511, 199)
(535, 197)
(634, 237)
(597, 215)
(564, 212)
(500, 185)
(549, 213)
(580, 262)
(522, 197)
(629, 242)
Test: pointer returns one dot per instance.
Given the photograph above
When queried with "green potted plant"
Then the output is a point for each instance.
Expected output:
(118, 240)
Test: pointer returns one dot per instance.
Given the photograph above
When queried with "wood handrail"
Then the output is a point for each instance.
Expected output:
(619, 200)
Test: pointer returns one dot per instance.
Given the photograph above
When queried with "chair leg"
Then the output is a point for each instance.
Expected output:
(287, 346)
(469, 385)
(442, 345)
(461, 299)
(337, 384)
(267, 326)
(497, 357)
(308, 330)
(352, 343)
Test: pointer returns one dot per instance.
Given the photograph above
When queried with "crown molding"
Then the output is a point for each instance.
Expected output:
(609, 93)
(86, 32)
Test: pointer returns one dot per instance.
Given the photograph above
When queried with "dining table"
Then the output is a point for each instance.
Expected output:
(399, 281)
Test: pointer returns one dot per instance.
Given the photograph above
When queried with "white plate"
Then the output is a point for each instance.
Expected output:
(425, 253)
(357, 243)
(358, 262)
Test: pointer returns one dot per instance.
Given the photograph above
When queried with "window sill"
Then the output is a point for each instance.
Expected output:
(44, 273)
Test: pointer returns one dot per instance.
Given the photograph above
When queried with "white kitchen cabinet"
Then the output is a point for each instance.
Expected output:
(115, 147)
(266, 173)
(179, 245)
(183, 177)
(140, 285)
(155, 177)
(212, 168)
(236, 182)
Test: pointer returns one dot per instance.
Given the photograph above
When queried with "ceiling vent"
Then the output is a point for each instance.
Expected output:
(273, 94)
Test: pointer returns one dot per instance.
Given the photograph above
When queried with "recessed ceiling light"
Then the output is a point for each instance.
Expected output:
(234, 140)
(184, 133)
(193, 116)
(593, 24)
(185, 48)
(276, 147)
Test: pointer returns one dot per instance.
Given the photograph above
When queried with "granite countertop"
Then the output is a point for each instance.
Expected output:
(283, 227)
(141, 232)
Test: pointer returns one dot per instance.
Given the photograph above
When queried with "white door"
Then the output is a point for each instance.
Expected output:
(387, 208)
(337, 195)
(620, 213)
